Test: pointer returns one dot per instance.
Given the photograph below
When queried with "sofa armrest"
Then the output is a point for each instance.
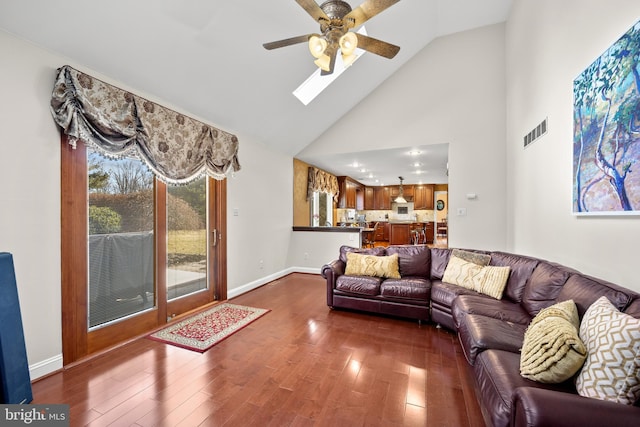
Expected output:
(331, 272)
(542, 407)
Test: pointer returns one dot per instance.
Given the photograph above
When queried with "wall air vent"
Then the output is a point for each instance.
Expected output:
(536, 133)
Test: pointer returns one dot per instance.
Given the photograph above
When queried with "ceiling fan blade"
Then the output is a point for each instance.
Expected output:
(376, 46)
(332, 51)
(368, 10)
(287, 42)
(313, 9)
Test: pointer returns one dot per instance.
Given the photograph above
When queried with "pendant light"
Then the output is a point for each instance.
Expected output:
(400, 198)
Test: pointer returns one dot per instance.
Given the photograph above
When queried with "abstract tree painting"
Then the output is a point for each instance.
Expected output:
(606, 136)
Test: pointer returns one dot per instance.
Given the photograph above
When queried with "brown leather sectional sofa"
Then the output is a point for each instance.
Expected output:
(491, 331)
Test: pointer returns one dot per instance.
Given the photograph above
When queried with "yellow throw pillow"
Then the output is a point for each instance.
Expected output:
(552, 351)
(492, 280)
(488, 280)
(462, 273)
(371, 265)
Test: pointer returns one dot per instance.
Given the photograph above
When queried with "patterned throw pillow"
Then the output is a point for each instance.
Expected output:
(612, 369)
(474, 257)
(371, 265)
(492, 280)
(488, 280)
(552, 351)
(460, 272)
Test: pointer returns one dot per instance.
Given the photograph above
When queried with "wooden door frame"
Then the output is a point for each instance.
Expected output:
(76, 343)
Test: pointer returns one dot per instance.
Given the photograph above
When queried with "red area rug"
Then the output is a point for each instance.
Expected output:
(204, 330)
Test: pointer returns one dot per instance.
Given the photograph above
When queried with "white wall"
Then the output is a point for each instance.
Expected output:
(548, 44)
(30, 198)
(452, 92)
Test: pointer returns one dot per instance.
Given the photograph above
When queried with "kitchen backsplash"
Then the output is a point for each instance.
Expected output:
(350, 215)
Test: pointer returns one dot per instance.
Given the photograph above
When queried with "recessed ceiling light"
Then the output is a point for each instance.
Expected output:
(415, 152)
(417, 164)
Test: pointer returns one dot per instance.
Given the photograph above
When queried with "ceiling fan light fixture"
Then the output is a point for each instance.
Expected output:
(317, 46)
(348, 44)
(323, 62)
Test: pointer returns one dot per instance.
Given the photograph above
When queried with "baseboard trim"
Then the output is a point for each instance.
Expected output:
(232, 293)
(45, 367)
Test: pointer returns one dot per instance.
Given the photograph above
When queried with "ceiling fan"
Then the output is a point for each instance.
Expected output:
(336, 19)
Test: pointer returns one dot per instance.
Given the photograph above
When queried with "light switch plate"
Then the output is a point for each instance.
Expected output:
(462, 211)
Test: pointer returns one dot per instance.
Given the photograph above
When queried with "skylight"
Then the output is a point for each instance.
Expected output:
(316, 83)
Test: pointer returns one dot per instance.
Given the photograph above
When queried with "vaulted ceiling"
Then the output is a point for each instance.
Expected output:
(206, 56)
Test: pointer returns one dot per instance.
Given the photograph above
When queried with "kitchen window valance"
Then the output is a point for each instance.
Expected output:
(323, 182)
(177, 148)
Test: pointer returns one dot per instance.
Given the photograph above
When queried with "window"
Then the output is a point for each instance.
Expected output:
(321, 209)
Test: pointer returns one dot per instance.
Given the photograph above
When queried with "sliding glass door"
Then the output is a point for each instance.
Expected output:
(136, 251)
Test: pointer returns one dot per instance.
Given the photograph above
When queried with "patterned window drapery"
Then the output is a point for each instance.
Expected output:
(322, 181)
(177, 148)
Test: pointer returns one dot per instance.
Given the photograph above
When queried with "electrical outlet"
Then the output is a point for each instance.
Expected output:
(261, 264)
(306, 255)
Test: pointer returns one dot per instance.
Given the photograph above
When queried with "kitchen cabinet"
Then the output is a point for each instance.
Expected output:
(351, 193)
(400, 234)
(382, 198)
(407, 191)
(382, 232)
(423, 197)
(369, 201)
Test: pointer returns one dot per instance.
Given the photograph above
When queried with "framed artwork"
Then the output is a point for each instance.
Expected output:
(606, 135)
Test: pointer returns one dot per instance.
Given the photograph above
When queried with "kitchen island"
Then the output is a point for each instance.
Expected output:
(400, 231)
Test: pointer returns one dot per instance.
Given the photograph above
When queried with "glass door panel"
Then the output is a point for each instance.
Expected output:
(186, 239)
(120, 239)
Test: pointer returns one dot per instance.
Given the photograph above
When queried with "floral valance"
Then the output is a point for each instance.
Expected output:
(177, 148)
(322, 181)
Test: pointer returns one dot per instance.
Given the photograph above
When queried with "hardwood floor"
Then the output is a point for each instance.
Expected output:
(302, 364)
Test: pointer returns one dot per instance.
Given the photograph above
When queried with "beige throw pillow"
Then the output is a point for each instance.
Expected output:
(371, 265)
(460, 272)
(552, 351)
(492, 280)
(612, 369)
(488, 280)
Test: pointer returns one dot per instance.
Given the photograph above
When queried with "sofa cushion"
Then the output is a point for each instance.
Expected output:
(372, 265)
(544, 286)
(497, 377)
(439, 260)
(413, 260)
(416, 288)
(521, 270)
(361, 285)
(552, 350)
(585, 290)
(344, 250)
(478, 333)
(634, 308)
(443, 293)
(500, 309)
(612, 369)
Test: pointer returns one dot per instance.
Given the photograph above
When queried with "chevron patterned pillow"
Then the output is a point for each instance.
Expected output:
(612, 369)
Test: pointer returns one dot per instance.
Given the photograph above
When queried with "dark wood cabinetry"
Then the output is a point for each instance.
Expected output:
(400, 234)
(407, 191)
(369, 201)
(351, 193)
(382, 198)
(423, 197)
